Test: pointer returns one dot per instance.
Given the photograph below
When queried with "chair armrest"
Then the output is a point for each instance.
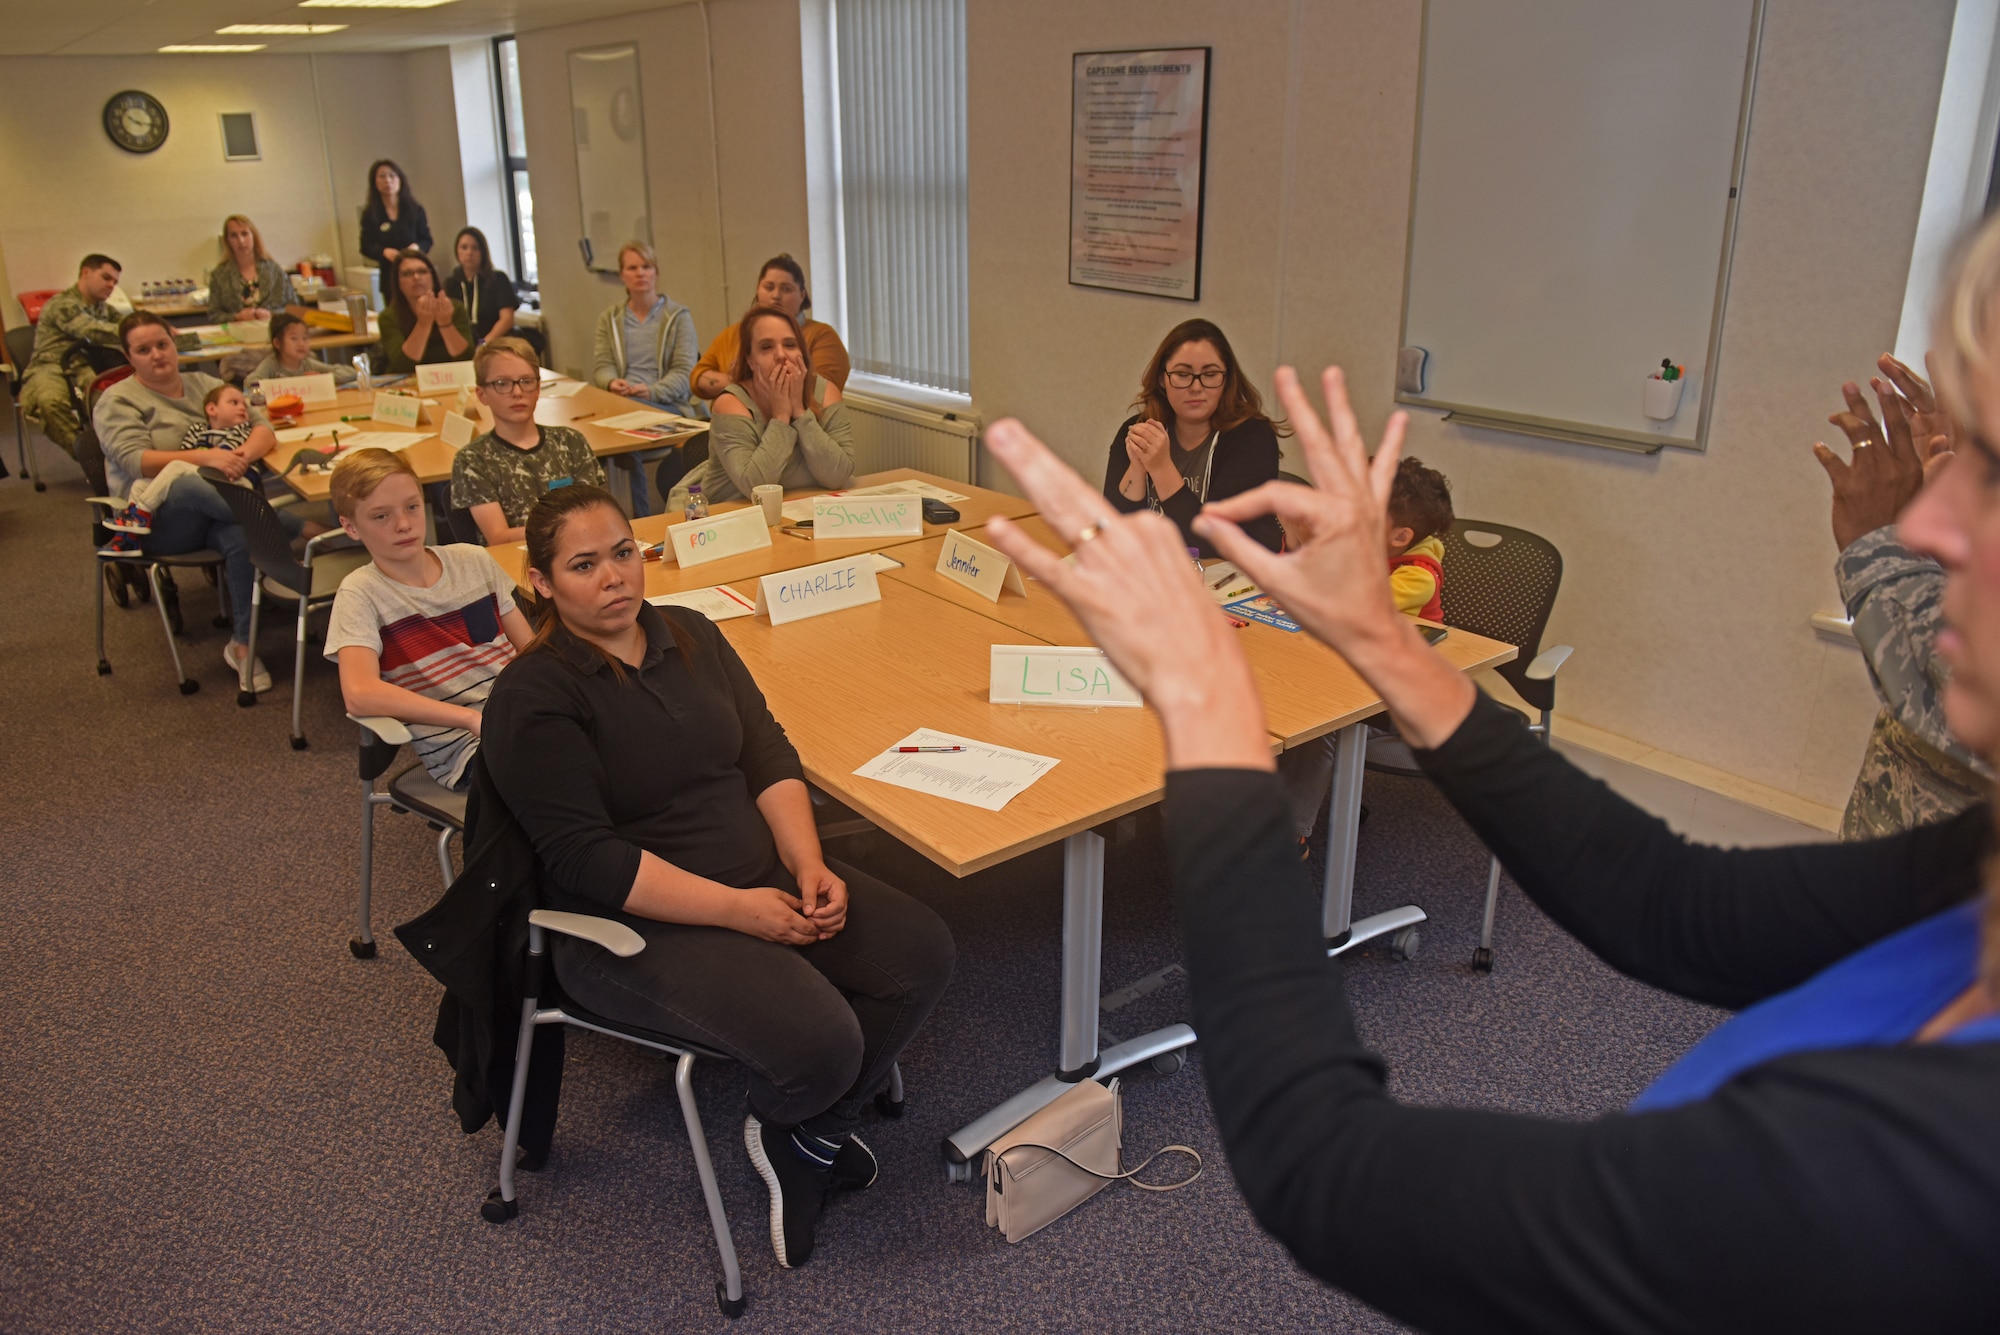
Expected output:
(388, 729)
(1548, 662)
(615, 937)
(335, 538)
(108, 502)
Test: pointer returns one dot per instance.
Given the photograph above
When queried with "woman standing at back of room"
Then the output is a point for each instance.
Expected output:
(1200, 434)
(393, 221)
(248, 284)
(486, 293)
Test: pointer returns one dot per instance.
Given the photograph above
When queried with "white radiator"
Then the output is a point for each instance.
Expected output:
(897, 435)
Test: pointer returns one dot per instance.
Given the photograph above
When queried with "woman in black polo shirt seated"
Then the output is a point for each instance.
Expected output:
(486, 293)
(637, 752)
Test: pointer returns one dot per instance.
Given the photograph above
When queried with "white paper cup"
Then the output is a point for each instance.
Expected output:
(772, 497)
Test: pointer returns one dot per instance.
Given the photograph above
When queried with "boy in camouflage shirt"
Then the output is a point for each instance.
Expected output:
(501, 475)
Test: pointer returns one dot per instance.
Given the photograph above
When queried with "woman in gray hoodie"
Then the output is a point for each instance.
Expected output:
(645, 349)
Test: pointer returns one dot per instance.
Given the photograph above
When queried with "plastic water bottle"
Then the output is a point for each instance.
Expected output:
(697, 504)
(364, 377)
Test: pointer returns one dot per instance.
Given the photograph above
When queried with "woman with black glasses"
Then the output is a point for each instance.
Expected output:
(1200, 434)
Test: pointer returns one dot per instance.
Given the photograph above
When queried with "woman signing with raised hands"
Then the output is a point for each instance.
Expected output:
(1823, 1161)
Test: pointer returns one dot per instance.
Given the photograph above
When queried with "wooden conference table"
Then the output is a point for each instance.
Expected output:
(318, 341)
(849, 684)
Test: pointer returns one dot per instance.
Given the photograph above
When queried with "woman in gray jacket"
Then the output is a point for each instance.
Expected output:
(645, 349)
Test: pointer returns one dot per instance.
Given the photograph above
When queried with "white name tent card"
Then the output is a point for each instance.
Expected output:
(699, 541)
(812, 591)
(310, 388)
(437, 377)
(719, 603)
(883, 516)
(980, 775)
(1041, 674)
(978, 567)
(458, 430)
(398, 410)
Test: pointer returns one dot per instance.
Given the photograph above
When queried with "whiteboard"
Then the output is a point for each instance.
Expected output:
(1572, 211)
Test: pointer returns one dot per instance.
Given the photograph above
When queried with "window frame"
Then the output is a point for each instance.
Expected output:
(513, 164)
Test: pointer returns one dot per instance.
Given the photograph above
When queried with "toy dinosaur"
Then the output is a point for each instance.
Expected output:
(312, 460)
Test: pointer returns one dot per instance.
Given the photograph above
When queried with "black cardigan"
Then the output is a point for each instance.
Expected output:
(669, 760)
(409, 229)
(1845, 1190)
(1246, 456)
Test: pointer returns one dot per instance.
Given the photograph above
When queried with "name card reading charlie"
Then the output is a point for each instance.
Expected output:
(978, 567)
(311, 389)
(868, 517)
(398, 410)
(703, 540)
(811, 591)
(435, 377)
(1040, 674)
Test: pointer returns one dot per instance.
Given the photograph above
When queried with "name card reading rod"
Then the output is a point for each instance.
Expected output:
(978, 567)
(868, 517)
(1040, 674)
(700, 541)
(815, 590)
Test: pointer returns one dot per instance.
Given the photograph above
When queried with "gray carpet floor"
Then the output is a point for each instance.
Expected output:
(220, 1121)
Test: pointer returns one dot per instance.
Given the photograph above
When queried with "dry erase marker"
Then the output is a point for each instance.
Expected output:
(915, 750)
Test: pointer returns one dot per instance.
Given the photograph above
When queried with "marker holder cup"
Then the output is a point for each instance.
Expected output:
(1663, 398)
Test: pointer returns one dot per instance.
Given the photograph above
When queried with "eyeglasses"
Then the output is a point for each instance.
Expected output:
(1209, 379)
(527, 384)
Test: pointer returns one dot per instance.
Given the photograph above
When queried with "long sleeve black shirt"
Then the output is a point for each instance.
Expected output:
(1246, 456)
(669, 760)
(1842, 1190)
(410, 229)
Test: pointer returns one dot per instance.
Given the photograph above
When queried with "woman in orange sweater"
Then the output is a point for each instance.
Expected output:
(781, 285)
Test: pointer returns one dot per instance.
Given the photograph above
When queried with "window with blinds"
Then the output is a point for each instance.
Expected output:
(900, 102)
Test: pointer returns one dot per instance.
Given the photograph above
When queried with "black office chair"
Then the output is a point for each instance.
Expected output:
(158, 580)
(1500, 582)
(311, 582)
(20, 344)
(411, 790)
(686, 457)
(461, 526)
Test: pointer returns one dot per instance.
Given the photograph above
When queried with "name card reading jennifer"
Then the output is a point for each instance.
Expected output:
(868, 517)
(398, 410)
(978, 567)
(700, 541)
(814, 590)
(436, 377)
(1039, 674)
(311, 389)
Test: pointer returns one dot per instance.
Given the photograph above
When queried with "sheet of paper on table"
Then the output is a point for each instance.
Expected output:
(392, 441)
(627, 421)
(561, 389)
(671, 426)
(982, 775)
(802, 508)
(1227, 584)
(913, 487)
(719, 603)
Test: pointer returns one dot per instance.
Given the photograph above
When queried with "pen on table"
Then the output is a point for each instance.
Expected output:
(914, 750)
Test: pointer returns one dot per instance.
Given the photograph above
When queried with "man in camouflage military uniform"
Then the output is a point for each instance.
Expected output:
(75, 316)
(1913, 772)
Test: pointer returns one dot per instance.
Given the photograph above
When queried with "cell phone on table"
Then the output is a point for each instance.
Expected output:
(1432, 634)
(937, 512)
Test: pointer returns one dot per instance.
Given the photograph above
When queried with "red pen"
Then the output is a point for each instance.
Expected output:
(913, 750)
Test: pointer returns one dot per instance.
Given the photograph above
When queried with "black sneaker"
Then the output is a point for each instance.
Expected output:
(798, 1190)
(854, 1167)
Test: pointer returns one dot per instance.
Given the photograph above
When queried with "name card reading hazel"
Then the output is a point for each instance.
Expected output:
(311, 389)
(1040, 674)
(815, 590)
(435, 377)
(700, 541)
(978, 567)
(398, 410)
(868, 517)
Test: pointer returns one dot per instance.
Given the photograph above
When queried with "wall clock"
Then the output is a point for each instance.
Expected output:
(135, 121)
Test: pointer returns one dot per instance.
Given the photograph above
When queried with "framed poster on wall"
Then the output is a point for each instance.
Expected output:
(1138, 170)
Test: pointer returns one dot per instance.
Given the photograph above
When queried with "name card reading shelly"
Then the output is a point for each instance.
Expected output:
(398, 410)
(435, 377)
(978, 567)
(700, 541)
(311, 389)
(868, 517)
(1039, 674)
(811, 591)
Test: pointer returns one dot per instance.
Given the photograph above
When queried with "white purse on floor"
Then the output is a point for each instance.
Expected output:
(1061, 1157)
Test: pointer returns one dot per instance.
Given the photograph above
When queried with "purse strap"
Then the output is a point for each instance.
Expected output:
(1128, 1175)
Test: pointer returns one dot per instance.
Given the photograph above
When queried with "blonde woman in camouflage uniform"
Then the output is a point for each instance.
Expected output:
(73, 317)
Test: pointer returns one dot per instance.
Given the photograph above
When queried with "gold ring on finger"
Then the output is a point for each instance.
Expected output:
(1086, 533)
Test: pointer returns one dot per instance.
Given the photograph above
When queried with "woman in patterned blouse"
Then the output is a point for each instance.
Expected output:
(248, 284)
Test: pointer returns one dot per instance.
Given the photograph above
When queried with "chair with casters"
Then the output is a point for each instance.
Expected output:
(20, 346)
(157, 584)
(411, 791)
(1500, 582)
(310, 582)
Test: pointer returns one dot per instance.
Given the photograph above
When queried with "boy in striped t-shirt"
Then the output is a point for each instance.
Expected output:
(420, 633)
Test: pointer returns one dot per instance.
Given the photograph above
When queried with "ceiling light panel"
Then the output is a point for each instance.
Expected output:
(280, 29)
(372, 4)
(210, 49)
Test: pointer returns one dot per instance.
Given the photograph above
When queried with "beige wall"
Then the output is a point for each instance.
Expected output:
(758, 127)
(1689, 578)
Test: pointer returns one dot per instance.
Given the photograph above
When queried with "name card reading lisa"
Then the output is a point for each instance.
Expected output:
(978, 567)
(812, 591)
(435, 377)
(1039, 674)
(700, 541)
(311, 389)
(867, 517)
(398, 410)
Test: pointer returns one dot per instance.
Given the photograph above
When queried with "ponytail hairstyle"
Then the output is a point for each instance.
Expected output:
(543, 529)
